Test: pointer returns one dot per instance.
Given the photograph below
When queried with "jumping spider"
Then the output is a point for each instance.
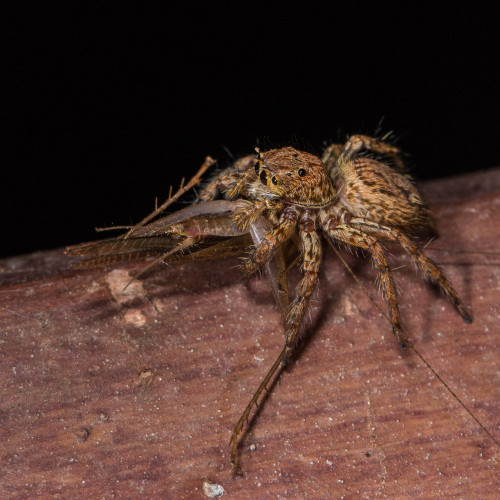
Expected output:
(357, 195)
(349, 198)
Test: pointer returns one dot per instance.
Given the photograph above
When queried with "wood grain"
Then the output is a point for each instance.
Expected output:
(108, 395)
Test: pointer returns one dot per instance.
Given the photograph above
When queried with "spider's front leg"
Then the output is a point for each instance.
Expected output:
(310, 249)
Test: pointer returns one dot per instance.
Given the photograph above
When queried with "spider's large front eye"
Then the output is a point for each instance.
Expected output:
(302, 172)
(274, 181)
(263, 177)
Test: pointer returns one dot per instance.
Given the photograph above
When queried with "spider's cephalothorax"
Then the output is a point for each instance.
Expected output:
(293, 177)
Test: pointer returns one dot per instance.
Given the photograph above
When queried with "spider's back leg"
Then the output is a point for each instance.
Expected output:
(354, 237)
(427, 265)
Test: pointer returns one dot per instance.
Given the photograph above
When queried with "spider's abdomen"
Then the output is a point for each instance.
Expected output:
(374, 191)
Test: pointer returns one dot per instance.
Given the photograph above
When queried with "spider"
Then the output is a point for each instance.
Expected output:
(348, 198)
(358, 195)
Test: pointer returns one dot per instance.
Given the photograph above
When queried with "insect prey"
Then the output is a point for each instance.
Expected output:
(280, 206)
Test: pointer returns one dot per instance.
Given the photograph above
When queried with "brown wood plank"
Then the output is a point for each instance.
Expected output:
(106, 395)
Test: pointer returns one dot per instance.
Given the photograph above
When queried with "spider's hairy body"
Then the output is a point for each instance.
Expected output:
(348, 198)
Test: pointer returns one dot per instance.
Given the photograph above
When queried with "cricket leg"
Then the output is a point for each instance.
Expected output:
(310, 247)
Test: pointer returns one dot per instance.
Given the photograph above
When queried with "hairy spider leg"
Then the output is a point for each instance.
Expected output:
(357, 143)
(337, 155)
(354, 237)
(424, 263)
(330, 156)
(247, 212)
(231, 180)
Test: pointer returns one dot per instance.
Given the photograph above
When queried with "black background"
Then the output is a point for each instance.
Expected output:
(109, 103)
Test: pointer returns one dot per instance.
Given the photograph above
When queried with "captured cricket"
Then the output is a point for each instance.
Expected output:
(277, 207)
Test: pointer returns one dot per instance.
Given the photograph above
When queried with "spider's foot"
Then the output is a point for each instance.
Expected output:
(209, 193)
(245, 214)
(463, 312)
(231, 193)
(403, 342)
(241, 220)
(249, 268)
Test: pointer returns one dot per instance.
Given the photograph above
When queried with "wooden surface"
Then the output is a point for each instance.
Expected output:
(107, 395)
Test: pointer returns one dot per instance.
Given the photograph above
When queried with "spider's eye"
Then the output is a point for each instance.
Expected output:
(263, 177)
(302, 172)
(274, 181)
(256, 167)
